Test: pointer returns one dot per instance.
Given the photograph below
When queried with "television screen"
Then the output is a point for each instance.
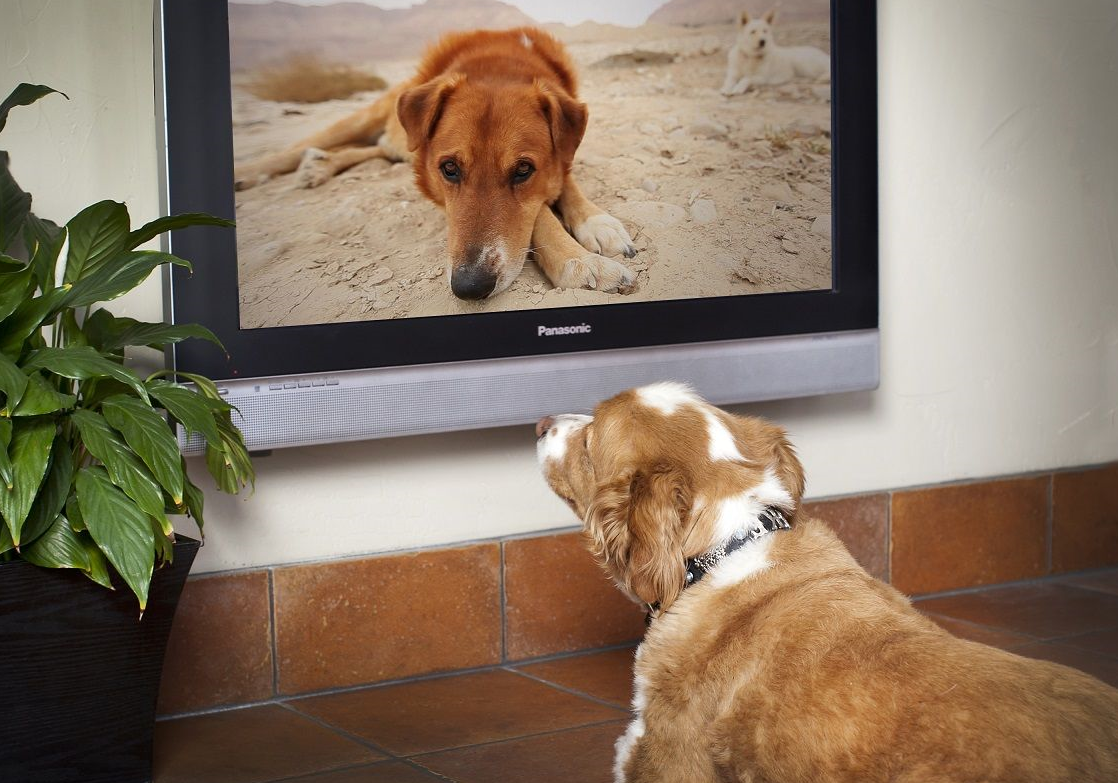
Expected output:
(718, 169)
(439, 183)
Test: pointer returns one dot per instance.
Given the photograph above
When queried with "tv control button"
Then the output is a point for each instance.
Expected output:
(318, 382)
(289, 386)
(331, 381)
(275, 386)
(304, 384)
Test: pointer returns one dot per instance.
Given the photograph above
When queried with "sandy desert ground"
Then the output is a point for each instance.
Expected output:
(723, 196)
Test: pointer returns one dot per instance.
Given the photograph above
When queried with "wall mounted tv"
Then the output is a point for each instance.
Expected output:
(741, 255)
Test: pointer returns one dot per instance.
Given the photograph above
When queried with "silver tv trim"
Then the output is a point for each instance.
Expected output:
(382, 403)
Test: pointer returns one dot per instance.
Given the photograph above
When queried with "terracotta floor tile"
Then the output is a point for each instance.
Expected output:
(1045, 610)
(980, 633)
(451, 712)
(584, 755)
(862, 523)
(220, 649)
(384, 772)
(249, 746)
(559, 600)
(1102, 666)
(1102, 642)
(607, 676)
(357, 622)
(1106, 581)
(966, 535)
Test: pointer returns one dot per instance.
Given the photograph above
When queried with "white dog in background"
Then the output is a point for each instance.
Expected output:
(756, 58)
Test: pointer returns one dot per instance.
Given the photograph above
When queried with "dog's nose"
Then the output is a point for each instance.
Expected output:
(543, 425)
(762, 43)
(470, 281)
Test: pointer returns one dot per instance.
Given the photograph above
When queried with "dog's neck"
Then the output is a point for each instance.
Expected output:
(770, 520)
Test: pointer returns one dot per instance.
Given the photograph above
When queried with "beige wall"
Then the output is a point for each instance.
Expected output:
(999, 274)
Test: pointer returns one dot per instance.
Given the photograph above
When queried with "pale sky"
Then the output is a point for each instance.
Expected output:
(624, 12)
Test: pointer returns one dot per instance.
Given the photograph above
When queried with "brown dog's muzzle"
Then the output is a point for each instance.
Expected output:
(475, 277)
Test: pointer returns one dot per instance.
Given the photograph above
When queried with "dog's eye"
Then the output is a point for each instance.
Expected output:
(522, 172)
(450, 170)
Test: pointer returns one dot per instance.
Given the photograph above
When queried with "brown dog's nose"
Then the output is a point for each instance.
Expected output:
(543, 425)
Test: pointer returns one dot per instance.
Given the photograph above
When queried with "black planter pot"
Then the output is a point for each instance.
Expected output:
(79, 673)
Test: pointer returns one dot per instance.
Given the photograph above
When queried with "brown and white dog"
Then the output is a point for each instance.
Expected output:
(783, 661)
(491, 122)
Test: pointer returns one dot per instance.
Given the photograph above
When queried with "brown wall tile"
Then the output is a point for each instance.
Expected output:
(1085, 519)
(558, 599)
(862, 523)
(945, 538)
(220, 649)
(383, 618)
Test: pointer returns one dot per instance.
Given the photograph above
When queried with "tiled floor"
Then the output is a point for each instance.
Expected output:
(557, 720)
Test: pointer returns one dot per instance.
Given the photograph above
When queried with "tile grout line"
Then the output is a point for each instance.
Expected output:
(518, 738)
(272, 639)
(504, 605)
(1050, 579)
(570, 691)
(280, 699)
(368, 744)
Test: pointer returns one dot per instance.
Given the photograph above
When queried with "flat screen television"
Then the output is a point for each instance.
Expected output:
(735, 149)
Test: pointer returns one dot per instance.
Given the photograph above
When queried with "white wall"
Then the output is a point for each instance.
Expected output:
(999, 274)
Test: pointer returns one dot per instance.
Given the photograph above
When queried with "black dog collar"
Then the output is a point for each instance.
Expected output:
(768, 521)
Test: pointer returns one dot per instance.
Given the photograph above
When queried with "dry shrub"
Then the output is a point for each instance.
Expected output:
(306, 78)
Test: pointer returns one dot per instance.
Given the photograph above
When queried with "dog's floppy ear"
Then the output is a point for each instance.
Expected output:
(420, 108)
(770, 15)
(788, 467)
(567, 119)
(636, 527)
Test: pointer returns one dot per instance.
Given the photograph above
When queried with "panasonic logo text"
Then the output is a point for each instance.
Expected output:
(552, 331)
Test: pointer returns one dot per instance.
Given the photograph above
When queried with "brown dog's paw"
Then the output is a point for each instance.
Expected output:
(606, 235)
(314, 169)
(597, 273)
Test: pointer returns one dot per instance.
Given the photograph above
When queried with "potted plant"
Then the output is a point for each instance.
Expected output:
(90, 473)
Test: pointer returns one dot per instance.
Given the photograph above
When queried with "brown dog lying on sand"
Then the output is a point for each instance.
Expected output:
(491, 122)
(772, 656)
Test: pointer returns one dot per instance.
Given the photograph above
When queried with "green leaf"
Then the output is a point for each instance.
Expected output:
(98, 565)
(109, 333)
(81, 363)
(6, 475)
(41, 398)
(15, 286)
(164, 541)
(58, 547)
(119, 275)
(172, 222)
(29, 317)
(15, 205)
(74, 513)
(124, 467)
(30, 453)
(24, 95)
(97, 233)
(150, 436)
(122, 531)
(53, 493)
(190, 408)
(195, 500)
(44, 240)
(13, 383)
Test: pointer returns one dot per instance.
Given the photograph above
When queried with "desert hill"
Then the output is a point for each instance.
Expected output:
(343, 32)
(692, 13)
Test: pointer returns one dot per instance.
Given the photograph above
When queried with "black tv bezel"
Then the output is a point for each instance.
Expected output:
(199, 171)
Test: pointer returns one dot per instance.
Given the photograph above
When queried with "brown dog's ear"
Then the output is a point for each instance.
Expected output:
(567, 119)
(770, 15)
(788, 467)
(743, 20)
(636, 527)
(420, 108)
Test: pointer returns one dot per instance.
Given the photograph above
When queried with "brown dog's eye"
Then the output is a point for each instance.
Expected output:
(450, 171)
(522, 172)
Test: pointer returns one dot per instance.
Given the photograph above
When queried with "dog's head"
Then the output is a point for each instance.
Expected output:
(755, 34)
(493, 154)
(657, 475)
